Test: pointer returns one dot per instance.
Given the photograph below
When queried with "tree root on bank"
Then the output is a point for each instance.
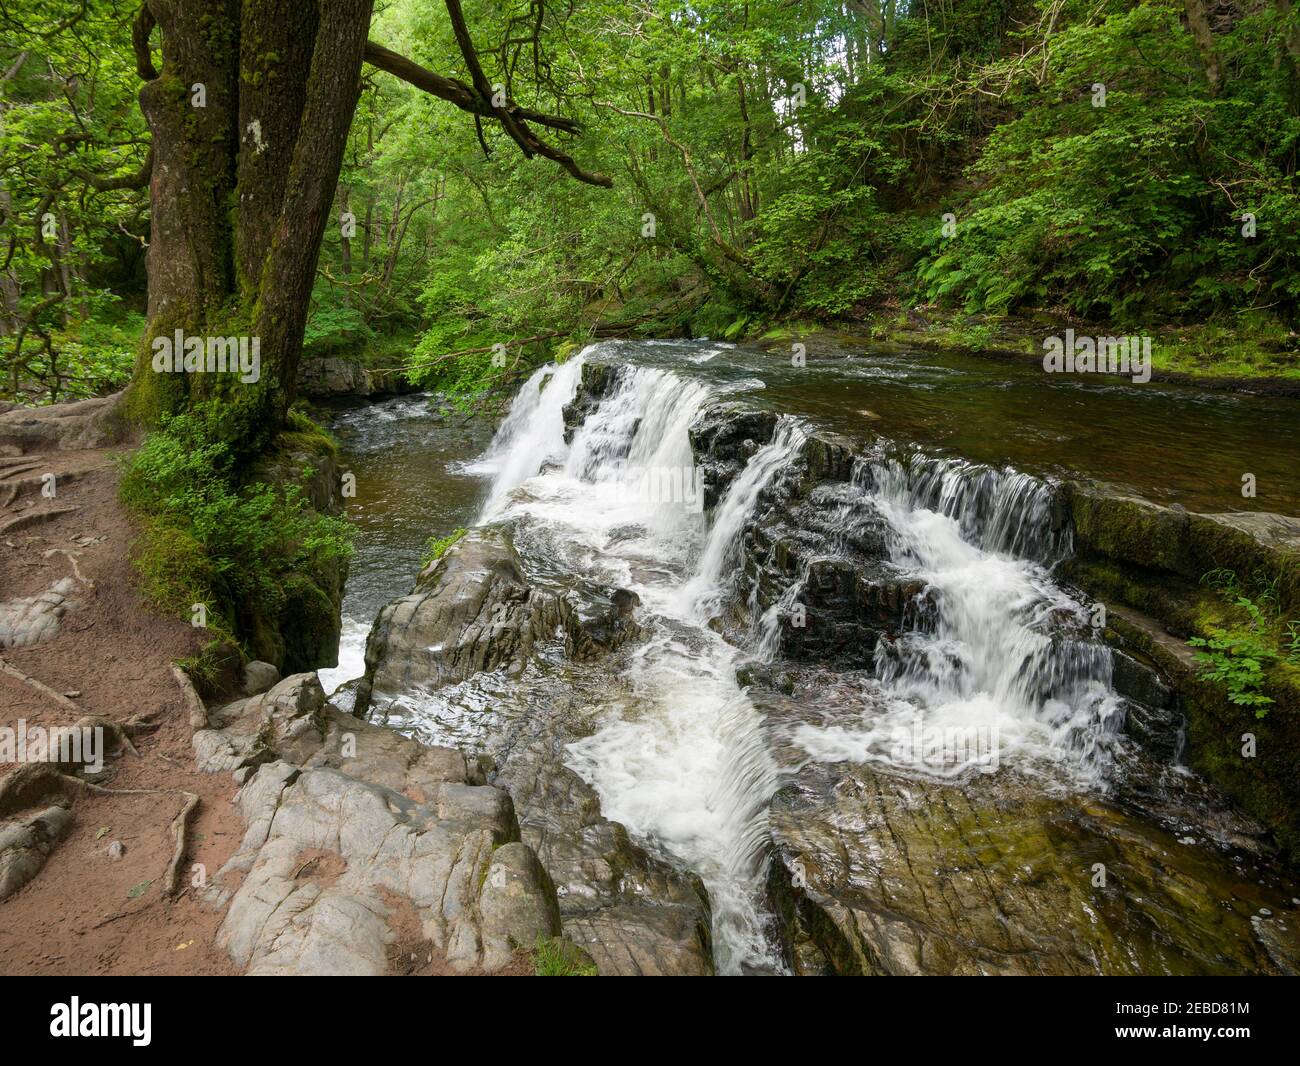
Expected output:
(178, 827)
(194, 705)
(72, 558)
(34, 517)
(17, 488)
(7, 667)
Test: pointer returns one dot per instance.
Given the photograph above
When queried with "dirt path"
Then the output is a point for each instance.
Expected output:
(87, 912)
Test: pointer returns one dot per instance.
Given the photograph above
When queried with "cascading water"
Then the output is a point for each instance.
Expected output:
(1004, 664)
(932, 575)
(993, 660)
(691, 771)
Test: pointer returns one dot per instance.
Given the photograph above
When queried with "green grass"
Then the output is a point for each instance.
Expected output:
(557, 957)
(437, 547)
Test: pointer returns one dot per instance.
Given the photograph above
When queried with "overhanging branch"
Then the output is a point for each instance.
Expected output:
(512, 117)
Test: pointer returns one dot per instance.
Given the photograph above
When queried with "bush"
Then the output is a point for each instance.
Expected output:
(210, 539)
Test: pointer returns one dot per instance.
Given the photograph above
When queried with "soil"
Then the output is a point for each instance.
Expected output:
(86, 912)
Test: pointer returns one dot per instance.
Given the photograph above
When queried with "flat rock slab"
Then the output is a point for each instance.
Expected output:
(32, 619)
(883, 875)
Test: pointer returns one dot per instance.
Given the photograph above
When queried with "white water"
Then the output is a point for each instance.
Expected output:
(688, 768)
(691, 771)
(1006, 660)
(352, 655)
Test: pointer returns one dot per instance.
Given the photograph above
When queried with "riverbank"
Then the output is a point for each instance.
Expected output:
(1263, 361)
(146, 847)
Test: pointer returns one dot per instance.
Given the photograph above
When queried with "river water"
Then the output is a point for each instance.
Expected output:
(689, 763)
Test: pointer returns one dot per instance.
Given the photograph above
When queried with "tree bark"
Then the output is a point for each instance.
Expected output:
(1198, 21)
(242, 186)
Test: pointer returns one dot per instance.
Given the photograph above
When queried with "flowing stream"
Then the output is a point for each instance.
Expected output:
(1004, 655)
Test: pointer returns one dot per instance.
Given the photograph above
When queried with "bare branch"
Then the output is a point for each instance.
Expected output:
(477, 101)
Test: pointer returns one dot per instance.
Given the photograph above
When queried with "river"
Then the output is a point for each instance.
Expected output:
(680, 752)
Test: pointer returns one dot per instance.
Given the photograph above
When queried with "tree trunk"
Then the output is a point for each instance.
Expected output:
(1198, 21)
(242, 189)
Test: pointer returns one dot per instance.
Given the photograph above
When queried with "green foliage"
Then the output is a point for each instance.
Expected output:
(333, 325)
(209, 537)
(1238, 654)
(73, 205)
(1132, 210)
(772, 162)
(1236, 659)
(558, 957)
(437, 546)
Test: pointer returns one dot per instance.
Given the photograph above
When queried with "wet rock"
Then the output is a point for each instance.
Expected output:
(723, 438)
(1135, 533)
(330, 376)
(473, 610)
(601, 620)
(597, 381)
(1152, 716)
(876, 874)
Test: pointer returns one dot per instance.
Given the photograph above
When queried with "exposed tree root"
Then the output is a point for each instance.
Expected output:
(7, 667)
(178, 826)
(194, 706)
(33, 518)
(72, 558)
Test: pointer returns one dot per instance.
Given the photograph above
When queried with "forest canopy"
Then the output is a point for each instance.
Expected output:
(739, 163)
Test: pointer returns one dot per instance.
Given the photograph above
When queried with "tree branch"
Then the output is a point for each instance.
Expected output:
(512, 117)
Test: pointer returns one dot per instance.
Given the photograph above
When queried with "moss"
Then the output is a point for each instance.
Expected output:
(1139, 555)
(263, 552)
(559, 957)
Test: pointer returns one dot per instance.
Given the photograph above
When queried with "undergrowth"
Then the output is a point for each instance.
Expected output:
(1256, 636)
(211, 535)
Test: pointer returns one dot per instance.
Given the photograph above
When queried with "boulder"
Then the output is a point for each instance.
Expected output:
(32, 619)
(92, 423)
(329, 862)
(259, 676)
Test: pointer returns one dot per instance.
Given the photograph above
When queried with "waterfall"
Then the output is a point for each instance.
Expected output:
(689, 771)
(1002, 664)
(532, 432)
(1006, 664)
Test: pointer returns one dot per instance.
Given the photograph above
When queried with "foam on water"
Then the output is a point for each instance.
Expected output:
(1002, 656)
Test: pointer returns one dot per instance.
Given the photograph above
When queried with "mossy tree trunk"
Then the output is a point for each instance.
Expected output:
(249, 115)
